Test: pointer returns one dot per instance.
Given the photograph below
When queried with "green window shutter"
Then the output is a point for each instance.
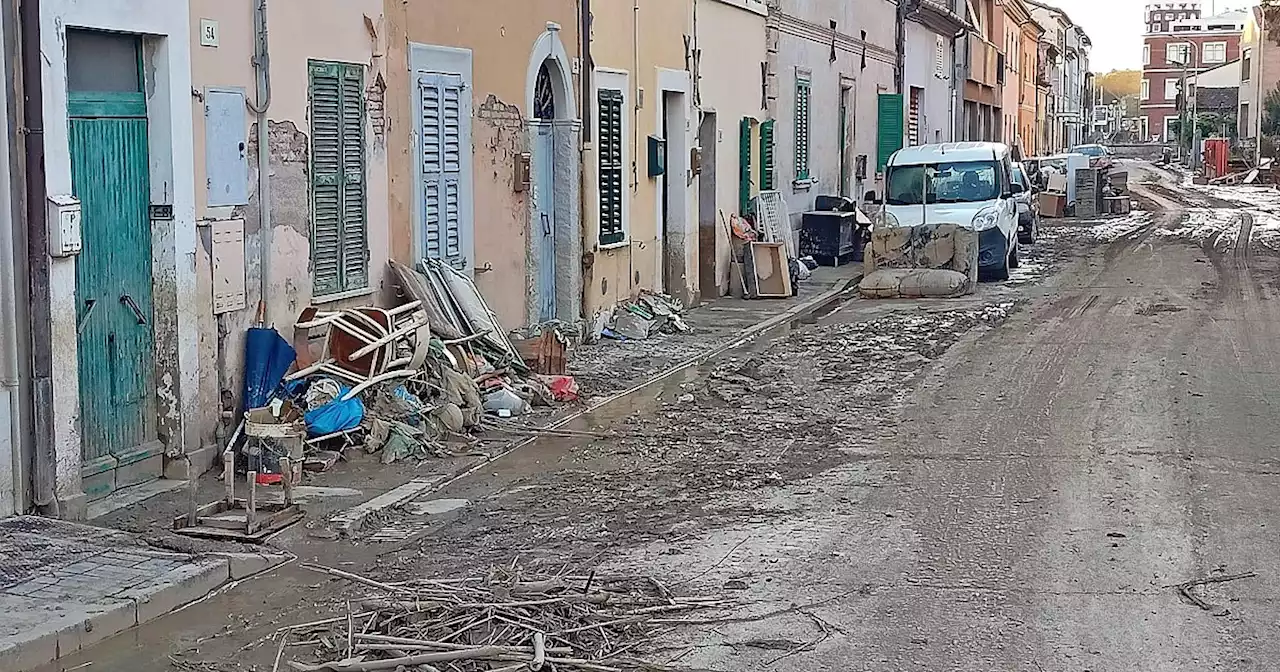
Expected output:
(766, 156)
(802, 128)
(744, 164)
(888, 128)
(611, 167)
(355, 224)
(339, 227)
(326, 176)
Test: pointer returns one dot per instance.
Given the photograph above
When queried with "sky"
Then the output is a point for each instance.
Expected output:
(1116, 28)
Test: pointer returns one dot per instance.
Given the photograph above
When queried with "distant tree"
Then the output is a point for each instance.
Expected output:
(1120, 83)
(1271, 112)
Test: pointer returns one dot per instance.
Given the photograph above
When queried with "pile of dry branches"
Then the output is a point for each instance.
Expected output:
(507, 621)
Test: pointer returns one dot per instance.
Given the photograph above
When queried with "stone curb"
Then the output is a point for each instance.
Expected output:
(82, 626)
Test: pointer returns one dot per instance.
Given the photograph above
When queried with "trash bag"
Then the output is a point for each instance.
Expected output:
(335, 416)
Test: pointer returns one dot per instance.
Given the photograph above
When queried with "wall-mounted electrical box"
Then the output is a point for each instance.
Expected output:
(657, 156)
(63, 222)
(523, 172)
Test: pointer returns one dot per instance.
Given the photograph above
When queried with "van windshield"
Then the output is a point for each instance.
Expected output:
(959, 182)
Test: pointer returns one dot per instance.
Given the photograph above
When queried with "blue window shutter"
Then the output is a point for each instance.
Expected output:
(444, 135)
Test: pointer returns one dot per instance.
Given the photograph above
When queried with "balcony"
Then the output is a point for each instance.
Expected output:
(984, 60)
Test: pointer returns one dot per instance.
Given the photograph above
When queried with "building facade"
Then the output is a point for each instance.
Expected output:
(983, 96)
(1030, 69)
(929, 71)
(735, 135)
(1180, 43)
(1019, 64)
(829, 64)
(638, 233)
(485, 164)
(1259, 77)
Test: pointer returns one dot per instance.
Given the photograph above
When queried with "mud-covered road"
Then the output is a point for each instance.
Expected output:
(1014, 481)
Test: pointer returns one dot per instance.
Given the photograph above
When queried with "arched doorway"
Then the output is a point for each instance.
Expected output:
(554, 241)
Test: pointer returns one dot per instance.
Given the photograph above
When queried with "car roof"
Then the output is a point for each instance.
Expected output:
(948, 151)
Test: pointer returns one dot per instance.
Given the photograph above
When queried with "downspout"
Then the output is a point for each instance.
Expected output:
(43, 471)
(262, 68)
(16, 351)
(635, 107)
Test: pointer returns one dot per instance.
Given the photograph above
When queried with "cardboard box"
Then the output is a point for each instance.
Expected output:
(1052, 205)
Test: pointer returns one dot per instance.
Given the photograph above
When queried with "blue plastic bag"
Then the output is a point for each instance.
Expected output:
(335, 416)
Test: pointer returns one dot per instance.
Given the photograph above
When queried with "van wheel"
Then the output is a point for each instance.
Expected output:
(1015, 254)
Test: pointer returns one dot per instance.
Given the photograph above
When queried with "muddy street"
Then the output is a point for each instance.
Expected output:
(1017, 480)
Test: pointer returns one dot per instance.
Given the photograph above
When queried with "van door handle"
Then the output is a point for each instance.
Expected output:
(133, 305)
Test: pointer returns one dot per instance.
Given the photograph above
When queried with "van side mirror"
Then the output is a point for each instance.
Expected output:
(871, 197)
(1016, 188)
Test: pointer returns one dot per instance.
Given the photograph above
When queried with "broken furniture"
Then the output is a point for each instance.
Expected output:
(831, 237)
(766, 271)
(365, 346)
(244, 519)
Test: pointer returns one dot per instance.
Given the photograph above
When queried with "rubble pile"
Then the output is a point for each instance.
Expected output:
(410, 382)
(508, 620)
(650, 313)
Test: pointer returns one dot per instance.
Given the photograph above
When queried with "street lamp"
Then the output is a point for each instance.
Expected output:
(1189, 49)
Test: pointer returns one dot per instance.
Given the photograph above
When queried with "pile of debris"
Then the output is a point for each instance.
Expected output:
(412, 382)
(645, 316)
(504, 621)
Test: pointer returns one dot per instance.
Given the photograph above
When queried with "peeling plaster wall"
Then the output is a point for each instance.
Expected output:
(167, 70)
(617, 273)
(337, 30)
(501, 36)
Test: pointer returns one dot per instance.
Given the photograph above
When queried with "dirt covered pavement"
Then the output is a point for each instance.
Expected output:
(1018, 480)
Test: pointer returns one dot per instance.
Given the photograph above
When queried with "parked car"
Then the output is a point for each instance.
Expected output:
(1028, 205)
(969, 183)
(1099, 155)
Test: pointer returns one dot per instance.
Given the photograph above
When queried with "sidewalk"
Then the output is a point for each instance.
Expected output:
(343, 499)
(65, 587)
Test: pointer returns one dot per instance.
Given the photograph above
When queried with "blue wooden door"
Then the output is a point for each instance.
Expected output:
(544, 230)
(110, 175)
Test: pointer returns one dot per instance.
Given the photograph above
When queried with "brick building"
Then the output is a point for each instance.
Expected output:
(1180, 42)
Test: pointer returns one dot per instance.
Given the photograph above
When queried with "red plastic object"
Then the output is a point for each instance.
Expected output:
(563, 388)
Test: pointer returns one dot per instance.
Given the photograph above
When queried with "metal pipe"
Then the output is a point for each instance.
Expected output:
(262, 68)
(16, 355)
(44, 459)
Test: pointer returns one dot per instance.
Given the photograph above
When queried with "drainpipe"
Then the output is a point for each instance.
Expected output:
(16, 355)
(262, 68)
(44, 473)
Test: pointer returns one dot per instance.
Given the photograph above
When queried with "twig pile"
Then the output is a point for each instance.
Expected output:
(505, 622)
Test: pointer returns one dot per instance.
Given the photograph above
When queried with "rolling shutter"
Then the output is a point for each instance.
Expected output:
(611, 168)
(888, 128)
(339, 237)
(442, 146)
(766, 156)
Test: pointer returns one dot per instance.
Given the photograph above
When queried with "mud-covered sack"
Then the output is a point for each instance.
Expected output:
(914, 283)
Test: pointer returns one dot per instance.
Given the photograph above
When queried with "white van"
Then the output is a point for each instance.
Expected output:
(963, 183)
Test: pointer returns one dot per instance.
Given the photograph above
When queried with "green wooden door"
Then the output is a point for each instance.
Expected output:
(110, 176)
